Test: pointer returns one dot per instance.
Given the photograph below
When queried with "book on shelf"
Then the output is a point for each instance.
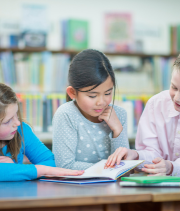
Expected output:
(75, 34)
(97, 173)
(118, 32)
(175, 39)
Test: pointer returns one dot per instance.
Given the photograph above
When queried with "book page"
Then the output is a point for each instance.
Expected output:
(97, 170)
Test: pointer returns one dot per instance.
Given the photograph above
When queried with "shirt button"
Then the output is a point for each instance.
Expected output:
(177, 154)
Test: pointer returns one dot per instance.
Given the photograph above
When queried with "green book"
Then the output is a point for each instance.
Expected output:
(151, 179)
(76, 34)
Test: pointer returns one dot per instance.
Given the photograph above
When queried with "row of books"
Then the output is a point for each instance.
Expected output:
(47, 72)
(35, 71)
(38, 109)
(142, 74)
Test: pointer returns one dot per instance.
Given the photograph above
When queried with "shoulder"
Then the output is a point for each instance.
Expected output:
(26, 128)
(66, 108)
(162, 98)
(121, 113)
(119, 110)
(66, 112)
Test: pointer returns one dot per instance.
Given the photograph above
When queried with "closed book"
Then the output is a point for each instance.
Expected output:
(151, 179)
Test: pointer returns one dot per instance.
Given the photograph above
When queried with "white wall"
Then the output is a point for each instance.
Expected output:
(146, 12)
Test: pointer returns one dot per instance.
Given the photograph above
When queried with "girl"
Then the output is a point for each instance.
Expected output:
(158, 135)
(17, 139)
(88, 129)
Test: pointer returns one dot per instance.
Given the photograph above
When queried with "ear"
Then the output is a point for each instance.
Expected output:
(71, 92)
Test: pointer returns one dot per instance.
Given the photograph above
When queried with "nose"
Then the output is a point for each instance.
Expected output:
(100, 101)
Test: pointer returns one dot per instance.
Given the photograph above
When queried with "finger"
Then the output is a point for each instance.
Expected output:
(118, 156)
(154, 171)
(157, 160)
(121, 155)
(109, 160)
(155, 166)
(68, 172)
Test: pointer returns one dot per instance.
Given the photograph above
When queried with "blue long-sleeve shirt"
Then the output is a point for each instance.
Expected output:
(36, 152)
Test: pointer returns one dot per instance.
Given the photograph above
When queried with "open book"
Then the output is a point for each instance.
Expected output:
(97, 173)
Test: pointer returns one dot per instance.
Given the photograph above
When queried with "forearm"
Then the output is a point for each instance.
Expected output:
(17, 172)
(120, 141)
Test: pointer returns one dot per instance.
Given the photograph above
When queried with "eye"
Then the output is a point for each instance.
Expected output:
(108, 93)
(6, 122)
(92, 96)
(174, 87)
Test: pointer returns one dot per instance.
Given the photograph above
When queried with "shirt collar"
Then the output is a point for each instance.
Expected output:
(172, 111)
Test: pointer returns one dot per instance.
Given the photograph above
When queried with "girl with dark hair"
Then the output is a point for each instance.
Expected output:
(87, 128)
(17, 139)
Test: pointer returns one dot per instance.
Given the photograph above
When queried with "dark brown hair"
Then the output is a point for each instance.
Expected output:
(7, 97)
(89, 68)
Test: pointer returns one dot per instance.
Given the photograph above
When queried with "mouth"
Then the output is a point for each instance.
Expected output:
(13, 132)
(98, 110)
(177, 104)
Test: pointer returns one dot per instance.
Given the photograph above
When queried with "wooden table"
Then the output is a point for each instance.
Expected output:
(46, 196)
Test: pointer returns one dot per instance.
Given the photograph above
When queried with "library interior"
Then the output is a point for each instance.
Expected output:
(38, 40)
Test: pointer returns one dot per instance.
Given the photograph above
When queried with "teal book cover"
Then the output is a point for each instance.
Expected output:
(77, 33)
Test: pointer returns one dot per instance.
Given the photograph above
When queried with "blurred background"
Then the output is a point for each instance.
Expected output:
(38, 39)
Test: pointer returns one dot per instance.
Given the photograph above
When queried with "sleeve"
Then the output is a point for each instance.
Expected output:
(35, 150)
(176, 167)
(65, 141)
(122, 139)
(146, 142)
(37, 153)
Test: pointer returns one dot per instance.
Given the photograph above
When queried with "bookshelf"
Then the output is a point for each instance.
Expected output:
(73, 52)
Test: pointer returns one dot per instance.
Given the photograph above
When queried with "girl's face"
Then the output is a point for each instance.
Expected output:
(93, 103)
(10, 123)
(175, 89)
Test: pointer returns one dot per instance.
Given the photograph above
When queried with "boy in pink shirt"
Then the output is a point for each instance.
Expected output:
(158, 134)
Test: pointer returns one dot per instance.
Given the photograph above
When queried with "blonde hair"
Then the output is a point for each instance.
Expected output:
(177, 64)
(7, 97)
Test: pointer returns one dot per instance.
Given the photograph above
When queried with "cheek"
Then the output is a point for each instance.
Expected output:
(4, 132)
(172, 93)
(86, 104)
(109, 100)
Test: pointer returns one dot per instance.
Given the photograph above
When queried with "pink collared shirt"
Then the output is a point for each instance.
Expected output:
(158, 133)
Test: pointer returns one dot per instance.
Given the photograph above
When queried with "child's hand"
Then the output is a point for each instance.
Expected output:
(160, 167)
(119, 154)
(110, 117)
(5, 159)
(55, 171)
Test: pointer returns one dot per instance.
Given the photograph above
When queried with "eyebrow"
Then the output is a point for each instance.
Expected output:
(97, 92)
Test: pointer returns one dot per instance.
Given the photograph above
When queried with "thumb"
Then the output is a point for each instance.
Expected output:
(156, 160)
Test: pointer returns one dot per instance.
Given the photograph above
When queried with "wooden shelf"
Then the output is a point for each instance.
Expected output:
(73, 52)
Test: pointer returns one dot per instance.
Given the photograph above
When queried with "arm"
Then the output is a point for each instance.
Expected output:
(147, 145)
(121, 140)
(65, 143)
(39, 155)
(36, 152)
